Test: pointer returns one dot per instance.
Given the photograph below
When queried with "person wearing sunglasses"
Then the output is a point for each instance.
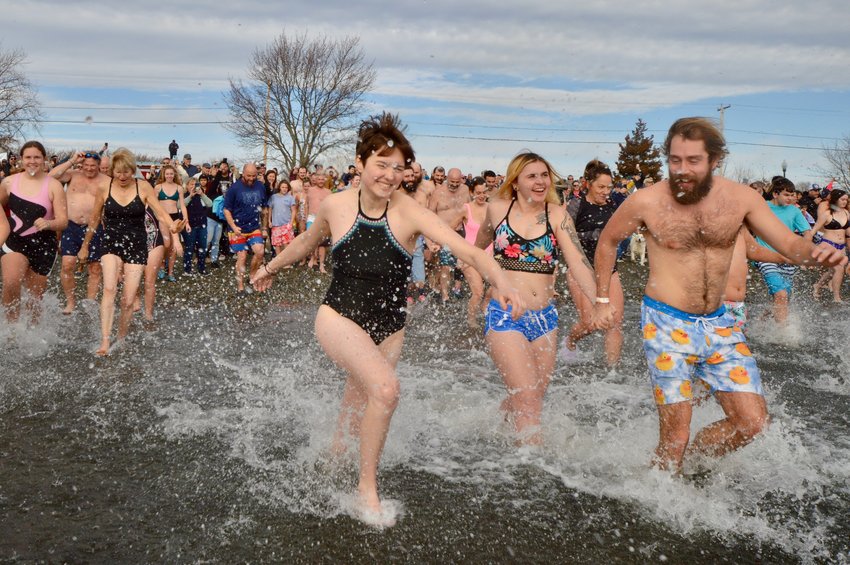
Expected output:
(84, 181)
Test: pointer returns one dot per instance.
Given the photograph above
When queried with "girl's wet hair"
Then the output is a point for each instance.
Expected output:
(381, 135)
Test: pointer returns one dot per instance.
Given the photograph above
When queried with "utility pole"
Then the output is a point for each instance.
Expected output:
(722, 109)
(266, 123)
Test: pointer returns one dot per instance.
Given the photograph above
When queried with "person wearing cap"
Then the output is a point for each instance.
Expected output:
(206, 170)
(191, 170)
(810, 200)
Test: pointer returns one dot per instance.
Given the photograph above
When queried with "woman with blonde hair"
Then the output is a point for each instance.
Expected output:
(170, 195)
(529, 231)
(121, 207)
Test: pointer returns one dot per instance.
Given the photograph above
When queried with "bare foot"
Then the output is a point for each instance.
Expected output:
(103, 350)
(373, 513)
(816, 291)
(69, 308)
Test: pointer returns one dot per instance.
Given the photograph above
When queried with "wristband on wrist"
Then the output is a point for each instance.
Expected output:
(603, 300)
(269, 271)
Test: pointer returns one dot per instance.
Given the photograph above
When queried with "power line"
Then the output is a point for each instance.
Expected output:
(434, 136)
(595, 130)
(571, 142)
(132, 123)
(136, 108)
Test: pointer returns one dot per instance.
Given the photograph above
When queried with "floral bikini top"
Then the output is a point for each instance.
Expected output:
(515, 253)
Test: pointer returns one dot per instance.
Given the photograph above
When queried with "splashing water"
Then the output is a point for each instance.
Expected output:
(208, 439)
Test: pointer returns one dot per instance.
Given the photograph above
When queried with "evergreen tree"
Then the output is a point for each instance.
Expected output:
(639, 149)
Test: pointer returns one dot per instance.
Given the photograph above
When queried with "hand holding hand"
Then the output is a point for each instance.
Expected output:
(262, 279)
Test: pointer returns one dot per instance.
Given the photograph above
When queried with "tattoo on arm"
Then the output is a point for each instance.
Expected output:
(568, 226)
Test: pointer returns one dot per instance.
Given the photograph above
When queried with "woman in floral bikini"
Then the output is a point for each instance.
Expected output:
(529, 230)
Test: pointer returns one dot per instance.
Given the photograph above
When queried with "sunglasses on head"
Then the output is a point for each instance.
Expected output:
(95, 156)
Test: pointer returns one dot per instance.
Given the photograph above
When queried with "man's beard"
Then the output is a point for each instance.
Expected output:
(409, 187)
(699, 190)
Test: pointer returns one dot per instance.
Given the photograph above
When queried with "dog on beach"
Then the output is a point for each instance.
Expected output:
(637, 248)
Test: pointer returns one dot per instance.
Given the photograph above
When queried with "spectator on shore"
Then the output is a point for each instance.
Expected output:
(191, 170)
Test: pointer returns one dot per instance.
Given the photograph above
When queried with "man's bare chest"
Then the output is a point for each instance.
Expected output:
(713, 228)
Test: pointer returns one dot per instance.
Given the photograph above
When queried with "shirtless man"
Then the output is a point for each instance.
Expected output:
(438, 176)
(83, 186)
(423, 187)
(414, 188)
(448, 203)
(105, 161)
(316, 193)
(692, 222)
(302, 181)
(491, 181)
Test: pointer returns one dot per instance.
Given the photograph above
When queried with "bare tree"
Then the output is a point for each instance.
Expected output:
(19, 105)
(837, 160)
(304, 96)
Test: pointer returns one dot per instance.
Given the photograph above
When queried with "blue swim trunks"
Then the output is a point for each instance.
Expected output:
(682, 347)
(72, 241)
(533, 324)
(777, 276)
(242, 241)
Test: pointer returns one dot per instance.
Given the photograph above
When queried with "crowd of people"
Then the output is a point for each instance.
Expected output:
(394, 235)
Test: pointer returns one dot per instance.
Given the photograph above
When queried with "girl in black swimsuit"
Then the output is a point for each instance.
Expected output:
(360, 324)
(122, 207)
(831, 226)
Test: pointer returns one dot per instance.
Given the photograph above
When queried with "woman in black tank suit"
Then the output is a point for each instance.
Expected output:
(121, 207)
(832, 226)
(591, 213)
(360, 324)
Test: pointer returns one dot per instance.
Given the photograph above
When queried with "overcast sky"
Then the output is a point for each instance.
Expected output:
(475, 82)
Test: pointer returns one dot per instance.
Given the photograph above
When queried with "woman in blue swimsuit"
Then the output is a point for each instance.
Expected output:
(360, 324)
(529, 231)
